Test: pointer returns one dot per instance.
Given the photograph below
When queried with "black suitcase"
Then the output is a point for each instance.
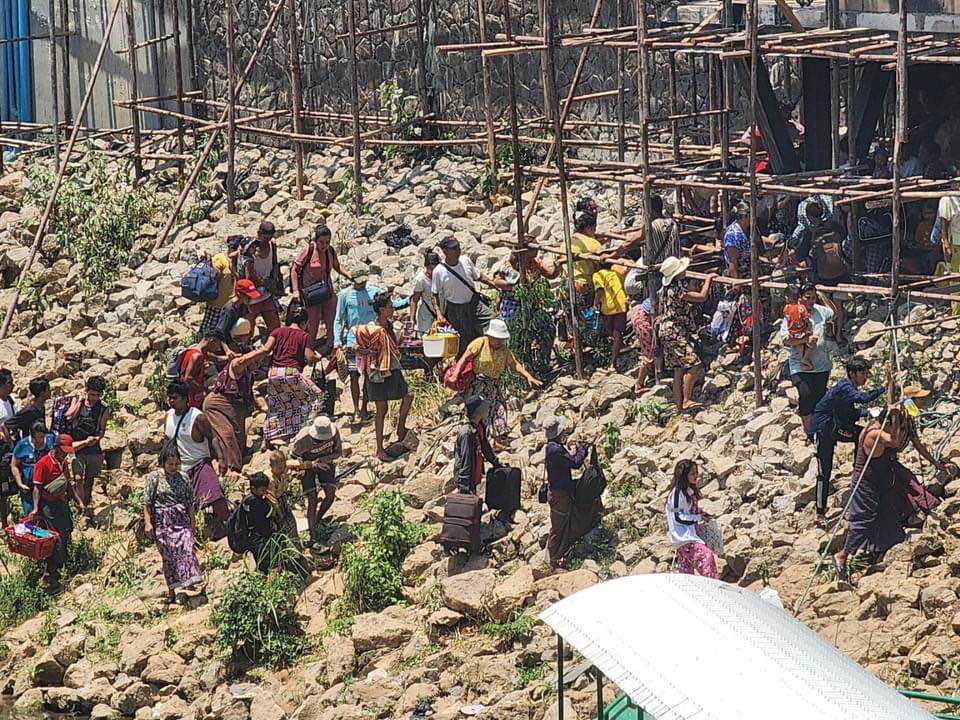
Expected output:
(461, 522)
(588, 489)
(503, 488)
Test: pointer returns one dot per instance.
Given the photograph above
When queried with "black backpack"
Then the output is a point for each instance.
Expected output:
(591, 484)
(238, 531)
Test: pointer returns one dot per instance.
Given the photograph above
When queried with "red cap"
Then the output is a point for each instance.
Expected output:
(65, 443)
(247, 289)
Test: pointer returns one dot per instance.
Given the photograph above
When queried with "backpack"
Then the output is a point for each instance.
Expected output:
(174, 364)
(591, 484)
(201, 283)
(827, 253)
(238, 532)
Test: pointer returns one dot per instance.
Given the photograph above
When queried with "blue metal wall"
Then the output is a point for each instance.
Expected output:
(15, 65)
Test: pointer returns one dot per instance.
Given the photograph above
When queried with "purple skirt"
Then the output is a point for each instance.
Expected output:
(174, 534)
(206, 484)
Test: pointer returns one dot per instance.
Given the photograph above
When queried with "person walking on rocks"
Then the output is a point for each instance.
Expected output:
(192, 432)
(354, 308)
(8, 488)
(18, 426)
(377, 343)
(678, 330)
(237, 308)
(423, 311)
(168, 520)
(491, 357)
(811, 383)
(610, 301)
(230, 402)
(312, 268)
(51, 485)
(683, 519)
(87, 419)
(292, 397)
(318, 447)
(568, 521)
(258, 262)
(225, 283)
(472, 447)
(455, 294)
(26, 453)
(835, 420)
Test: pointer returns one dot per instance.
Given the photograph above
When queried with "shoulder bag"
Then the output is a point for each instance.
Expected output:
(316, 293)
(477, 297)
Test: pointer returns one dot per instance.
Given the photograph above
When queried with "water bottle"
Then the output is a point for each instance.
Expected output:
(911, 407)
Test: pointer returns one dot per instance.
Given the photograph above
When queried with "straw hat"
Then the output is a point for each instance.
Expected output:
(671, 267)
(498, 330)
(555, 426)
(322, 428)
(915, 391)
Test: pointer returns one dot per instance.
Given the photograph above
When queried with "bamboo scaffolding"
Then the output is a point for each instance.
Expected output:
(132, 76)
(355, 107)
(229, 8)
(58, 180)
(296, 90)
(752, 22)
(54, 90)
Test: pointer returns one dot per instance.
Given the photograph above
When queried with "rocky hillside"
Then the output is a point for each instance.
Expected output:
(461, 633)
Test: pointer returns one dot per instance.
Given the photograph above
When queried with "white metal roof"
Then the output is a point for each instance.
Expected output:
(685, 647)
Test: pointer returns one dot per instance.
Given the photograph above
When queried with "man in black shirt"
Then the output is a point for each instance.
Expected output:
(19, 425)
(260, 521)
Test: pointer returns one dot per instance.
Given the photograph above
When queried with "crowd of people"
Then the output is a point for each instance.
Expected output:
(283, 341)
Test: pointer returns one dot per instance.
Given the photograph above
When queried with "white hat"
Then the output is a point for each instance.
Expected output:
(322, 428)
(498, 330)
(671, 267)
(241, 328)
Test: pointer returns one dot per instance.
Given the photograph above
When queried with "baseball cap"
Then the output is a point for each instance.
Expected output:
(65, 443)
(247, 289)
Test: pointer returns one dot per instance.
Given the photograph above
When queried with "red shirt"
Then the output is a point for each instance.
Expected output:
(289, 347)
(45, 472)
(194, 382)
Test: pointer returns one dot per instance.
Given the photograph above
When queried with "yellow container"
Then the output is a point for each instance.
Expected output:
(440, 345)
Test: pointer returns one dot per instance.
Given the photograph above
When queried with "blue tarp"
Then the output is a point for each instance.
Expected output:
(16, 62)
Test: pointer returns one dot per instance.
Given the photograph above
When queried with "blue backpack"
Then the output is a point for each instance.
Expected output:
(201, 283)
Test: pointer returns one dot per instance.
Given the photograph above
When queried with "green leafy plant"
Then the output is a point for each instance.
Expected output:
(33, 294)
(203, 204)
(528, 675)
(20, 595)
(216, 561)
(96, 218)
(627, 485)
(349, 189)
(532, 325)
(156, 381)
(83, 556)
(371, 563)
(257, 619)
(50, 627)
(401, 107)
(611, 439)
(517, 627)
(492, 180)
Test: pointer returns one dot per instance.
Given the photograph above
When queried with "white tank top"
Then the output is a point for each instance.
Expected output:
(191, 451)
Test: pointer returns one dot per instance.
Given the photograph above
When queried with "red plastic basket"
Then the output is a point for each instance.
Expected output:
(30, 545)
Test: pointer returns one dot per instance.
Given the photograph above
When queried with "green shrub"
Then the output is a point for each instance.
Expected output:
(96, 218)
(83, 556)
(371, 563)
(516, 628)
(21, 595)
(257, 620)
(532, 325)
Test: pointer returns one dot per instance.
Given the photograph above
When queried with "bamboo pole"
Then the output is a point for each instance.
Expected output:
(674, 109)
(208, 148)
(550, 76)
(229, 7)
(178, 70)
(900, 137)
(621, 112)
(58, 180)
(833, 17)
(296, 90)
(752, 22)
(423, 87)
(132, 75)
(192, 56)
(727, 103)
(54, 91)
(65, 65)
(487, 92)
(852, 158)
(514, 133)
(567, 107)
(643, 86)
(355, 107)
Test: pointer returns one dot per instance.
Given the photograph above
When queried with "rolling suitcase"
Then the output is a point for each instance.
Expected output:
(461, 523)
(503, 488)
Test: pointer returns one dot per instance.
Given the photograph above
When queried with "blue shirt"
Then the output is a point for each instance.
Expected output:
(826, 202)
(27, 454)
(735, 237)
(840, 402)
(354, 307)
(819, 356)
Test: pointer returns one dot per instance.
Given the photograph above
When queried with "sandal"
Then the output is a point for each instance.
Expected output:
(842, 571)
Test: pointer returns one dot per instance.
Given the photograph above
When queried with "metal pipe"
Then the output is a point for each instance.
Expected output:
(559, 677)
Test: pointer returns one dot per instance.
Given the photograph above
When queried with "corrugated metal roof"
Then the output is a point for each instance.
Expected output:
(690, 648)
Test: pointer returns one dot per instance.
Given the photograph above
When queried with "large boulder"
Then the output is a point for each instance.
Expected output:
(511, 593)
(135, 696)
(387, 629)
(340, 656)
(164, 668)
(468, 592)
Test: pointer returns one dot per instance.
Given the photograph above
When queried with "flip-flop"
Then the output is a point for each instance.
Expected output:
(842, 572)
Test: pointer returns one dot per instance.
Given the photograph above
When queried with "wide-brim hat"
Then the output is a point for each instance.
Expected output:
(671, 267)
(555, 426)
(915, 391)
(498, 330)
(322, 428)
(241, 328)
